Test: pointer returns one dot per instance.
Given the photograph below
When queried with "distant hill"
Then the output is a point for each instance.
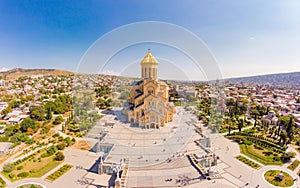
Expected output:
(291, 80)
(14, 74)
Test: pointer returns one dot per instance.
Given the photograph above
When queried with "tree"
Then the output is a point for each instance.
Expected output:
(284, 120)
(61, 146)
(255, 113)
(240, 125)
(6, 110)
(63, 128)
(59, 156)
(289, 129)
(58, 120)
(28, 123)
(29, 131)
(124, 95)
(37, 113)
(15, 104)
(49, 113)
(288, 156)
(283, 137)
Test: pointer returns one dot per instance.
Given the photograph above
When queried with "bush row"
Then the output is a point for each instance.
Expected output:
(62, 170)
(24, 159)
(2, 183)
(259, 141)
(248, 162)
(294, 165)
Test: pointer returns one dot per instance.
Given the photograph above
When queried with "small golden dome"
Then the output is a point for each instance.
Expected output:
(149, 59)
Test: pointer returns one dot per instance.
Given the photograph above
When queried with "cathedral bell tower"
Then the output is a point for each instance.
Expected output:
(149, 67)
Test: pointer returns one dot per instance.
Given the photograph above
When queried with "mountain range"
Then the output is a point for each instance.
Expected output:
(290, 80)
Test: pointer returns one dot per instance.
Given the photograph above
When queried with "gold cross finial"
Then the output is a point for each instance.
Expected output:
(149, 50)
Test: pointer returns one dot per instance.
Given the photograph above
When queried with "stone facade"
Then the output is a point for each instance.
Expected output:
(149, 104)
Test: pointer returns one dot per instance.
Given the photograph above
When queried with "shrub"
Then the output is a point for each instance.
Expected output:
(287, 156)
(23, 174)
(248, 142)
(59, 172)
(11, 176)
(8, 167)
(61, 146)
(59, 156)
(19, 167)
(268, 153)
(58, 120)
(2, 183)
(256, 146)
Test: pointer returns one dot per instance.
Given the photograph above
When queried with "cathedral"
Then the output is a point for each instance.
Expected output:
(149, 105)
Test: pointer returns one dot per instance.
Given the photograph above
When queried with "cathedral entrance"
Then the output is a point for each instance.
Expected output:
(153, 125)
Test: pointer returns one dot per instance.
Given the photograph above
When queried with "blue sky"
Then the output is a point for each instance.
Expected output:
(246, 37)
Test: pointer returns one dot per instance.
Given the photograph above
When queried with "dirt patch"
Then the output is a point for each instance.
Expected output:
(82, 145)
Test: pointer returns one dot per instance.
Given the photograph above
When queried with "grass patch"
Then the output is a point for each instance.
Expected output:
(248, 162)
(264, 156)
(272, 177)
(58, 173)
(33, 166)
(294, 165)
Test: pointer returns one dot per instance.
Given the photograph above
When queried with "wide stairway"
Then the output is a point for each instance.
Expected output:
(173, 163)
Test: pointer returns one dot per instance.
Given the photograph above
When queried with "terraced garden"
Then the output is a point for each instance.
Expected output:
(34, 165)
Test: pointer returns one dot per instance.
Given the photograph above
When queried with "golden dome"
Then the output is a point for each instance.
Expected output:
(149, 59)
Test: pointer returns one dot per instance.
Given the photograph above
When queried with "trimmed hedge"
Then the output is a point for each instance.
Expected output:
(259, 140)
(23, 174)
(248, 162)
(61, 171)
(2, 183)
(294, 165)
(276, 159)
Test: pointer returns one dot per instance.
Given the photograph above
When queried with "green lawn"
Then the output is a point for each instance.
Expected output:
(261, 156)
(248, 162)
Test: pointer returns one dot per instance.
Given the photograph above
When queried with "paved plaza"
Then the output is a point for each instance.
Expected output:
(150, 146)
(157, 157)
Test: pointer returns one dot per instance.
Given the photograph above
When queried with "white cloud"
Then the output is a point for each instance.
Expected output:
(3, 69)
(110, 72)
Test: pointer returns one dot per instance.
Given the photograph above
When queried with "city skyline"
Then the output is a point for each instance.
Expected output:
(246, 38)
